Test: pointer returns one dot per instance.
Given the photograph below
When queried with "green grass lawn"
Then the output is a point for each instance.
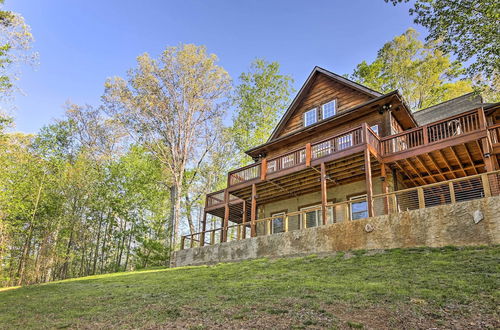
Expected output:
(411, 288)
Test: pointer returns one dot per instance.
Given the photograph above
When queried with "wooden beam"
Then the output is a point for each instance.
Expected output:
(437, 167)
(226, 216)
(308, 154)
(469, 156)
(406, 173)
(203, 228)
(368, 182)
(429, 172)
(458, 160)
(324, 198)
(416, 170)
(263, 169)
(253, 211)
(447, 163)
(244, 220)
(385, 187)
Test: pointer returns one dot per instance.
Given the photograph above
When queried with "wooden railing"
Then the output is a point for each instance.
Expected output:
(434, 132)
(420, 136)
(337, 143)
(215, 198)
(244, 174)
(288, 160)
(494, 133)
(441, 193)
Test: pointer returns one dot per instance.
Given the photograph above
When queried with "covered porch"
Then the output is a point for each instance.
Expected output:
(448, 161)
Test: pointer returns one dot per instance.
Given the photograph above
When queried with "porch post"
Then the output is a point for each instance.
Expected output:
(203, 227)
(226, 216)
(244, 220)
(368, 180)
(324, 198)
(385, 187)
(253, 211)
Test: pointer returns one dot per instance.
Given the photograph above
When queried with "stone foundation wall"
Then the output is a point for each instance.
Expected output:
(435, 227)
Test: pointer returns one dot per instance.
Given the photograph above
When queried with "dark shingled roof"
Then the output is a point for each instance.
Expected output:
(449, 108)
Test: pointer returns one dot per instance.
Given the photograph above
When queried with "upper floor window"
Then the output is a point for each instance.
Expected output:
(310, 117)
(375, 129)
(329, 109)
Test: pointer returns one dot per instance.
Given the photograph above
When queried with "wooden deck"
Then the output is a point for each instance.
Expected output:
(453, 148)
(443, 150)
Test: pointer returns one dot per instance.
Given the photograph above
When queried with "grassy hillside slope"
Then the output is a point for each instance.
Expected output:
(413, 288)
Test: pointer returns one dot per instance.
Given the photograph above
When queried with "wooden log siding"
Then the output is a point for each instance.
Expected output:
(321, 91)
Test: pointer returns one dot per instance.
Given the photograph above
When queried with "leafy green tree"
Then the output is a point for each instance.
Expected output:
(466, 28)
(421, 72)
(171, 105)
(260, 99)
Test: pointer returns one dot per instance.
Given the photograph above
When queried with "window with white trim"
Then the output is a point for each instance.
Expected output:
(278, 222)
(310, 117)
(359, 207)
(329, 109)
(314, 218)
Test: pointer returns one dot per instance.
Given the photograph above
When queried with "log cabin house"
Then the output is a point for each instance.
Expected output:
(343, 152)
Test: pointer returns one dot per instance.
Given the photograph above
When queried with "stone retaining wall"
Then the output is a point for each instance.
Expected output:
(435, 227)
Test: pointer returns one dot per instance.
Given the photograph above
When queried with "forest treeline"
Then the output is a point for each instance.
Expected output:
(111, 187)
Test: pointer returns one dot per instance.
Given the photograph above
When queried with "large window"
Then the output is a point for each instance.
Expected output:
(314, 217)
(310, 117)
(278, 222)
(329, 109)
(359, 207)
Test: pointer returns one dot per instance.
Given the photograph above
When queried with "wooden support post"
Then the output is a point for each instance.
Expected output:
(191, 244)
(324, 196)
(203, 227)
(286, 223)
(308, 154)
(394, 199)
(486, 185)
(212, 237)
(385, 187)
(253, 211)
(482, 118)
(244, 220)
(268, 226)
(368, 179)
(263, 169)
(183, 239)
(386, 128)
(425, 131)
(421, 198)
(451, 187)
(226, 216)
(347, 215)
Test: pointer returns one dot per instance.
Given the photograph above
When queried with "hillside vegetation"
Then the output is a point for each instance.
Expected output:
(412, 288)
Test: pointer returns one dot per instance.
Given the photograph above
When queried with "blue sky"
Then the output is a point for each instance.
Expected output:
(82, 42)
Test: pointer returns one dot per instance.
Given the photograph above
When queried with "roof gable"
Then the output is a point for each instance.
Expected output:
(320, 87)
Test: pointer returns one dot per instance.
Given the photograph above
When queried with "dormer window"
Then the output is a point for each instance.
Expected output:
(310, 117)
(329, 109)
